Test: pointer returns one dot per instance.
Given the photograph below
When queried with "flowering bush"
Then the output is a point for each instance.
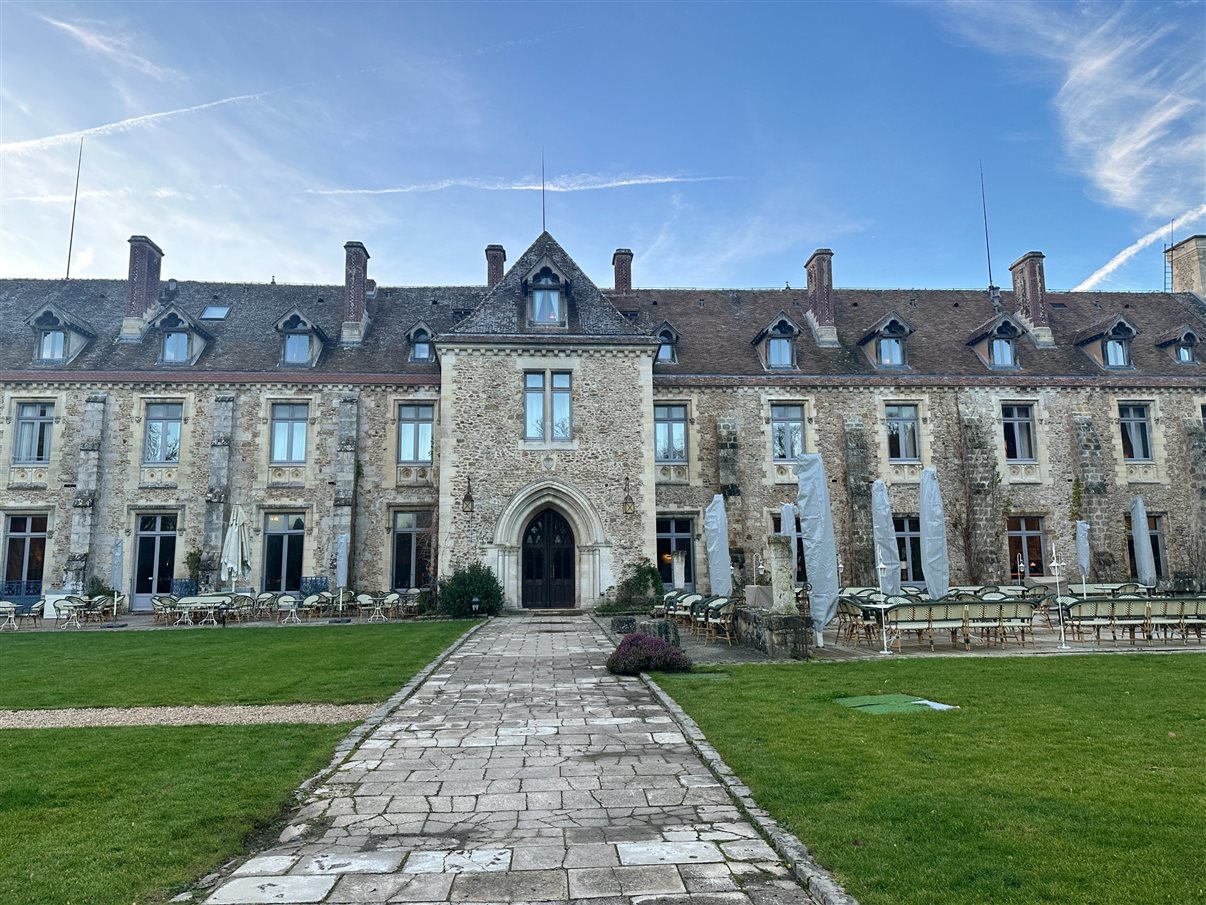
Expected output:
(641, 653)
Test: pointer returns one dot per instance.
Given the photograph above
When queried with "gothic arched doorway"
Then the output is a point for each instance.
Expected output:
(548, 562)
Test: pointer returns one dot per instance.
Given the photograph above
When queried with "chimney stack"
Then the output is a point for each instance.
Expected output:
(819, 271)
(143, 297)
(496, 255)
(355, 284)
(622, 262)
(1030, 296)
(1187, 260)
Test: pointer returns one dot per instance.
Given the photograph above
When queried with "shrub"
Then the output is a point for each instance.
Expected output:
(474, 580)
(640, 588)
(640, 653)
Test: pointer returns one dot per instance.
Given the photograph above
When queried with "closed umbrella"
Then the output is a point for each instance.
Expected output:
(820, 547)
(1141, 540)
(935, 561)
(887, 554)
(341, 568)
(236, 547)
(115, 575)
(716, 540)
(1083, 555)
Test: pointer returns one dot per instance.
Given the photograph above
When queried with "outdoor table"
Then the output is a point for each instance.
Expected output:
(9, 612)
(73, 613)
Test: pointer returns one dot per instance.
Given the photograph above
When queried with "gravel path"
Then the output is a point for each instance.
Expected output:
(74, 718)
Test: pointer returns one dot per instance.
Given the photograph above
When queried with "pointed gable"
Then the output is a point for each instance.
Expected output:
(504, 310)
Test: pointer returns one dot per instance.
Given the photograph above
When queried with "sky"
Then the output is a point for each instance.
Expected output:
(722, 143)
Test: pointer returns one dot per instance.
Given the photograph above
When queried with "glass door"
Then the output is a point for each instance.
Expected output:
(24, 559)
(284, 539)
(155, 559)
(676, 534)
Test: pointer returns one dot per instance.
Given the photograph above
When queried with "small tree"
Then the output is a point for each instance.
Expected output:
(467, 582)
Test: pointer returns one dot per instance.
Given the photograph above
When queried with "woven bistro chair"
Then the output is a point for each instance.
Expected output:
(34, 613)
(720, 619)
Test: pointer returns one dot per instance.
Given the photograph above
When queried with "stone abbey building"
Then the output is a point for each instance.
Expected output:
(558, 431)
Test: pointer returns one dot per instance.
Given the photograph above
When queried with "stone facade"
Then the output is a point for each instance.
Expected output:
(486, 482)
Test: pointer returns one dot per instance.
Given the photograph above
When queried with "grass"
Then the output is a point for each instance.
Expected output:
(1069, 780)
(341, 664)
(100, 816)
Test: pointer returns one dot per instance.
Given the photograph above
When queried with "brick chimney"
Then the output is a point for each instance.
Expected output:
(496, 255)
(1030, 296)
(1187, 260)
(143, 298)
(622, 262)
(355, 283)
(819, 270)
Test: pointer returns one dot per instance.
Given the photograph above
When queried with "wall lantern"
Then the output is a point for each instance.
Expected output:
(467, 500)
(629, 505)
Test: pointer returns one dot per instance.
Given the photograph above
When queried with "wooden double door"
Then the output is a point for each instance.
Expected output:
(548, 562)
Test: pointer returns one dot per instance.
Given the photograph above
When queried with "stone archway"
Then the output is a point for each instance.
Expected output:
(592, 565)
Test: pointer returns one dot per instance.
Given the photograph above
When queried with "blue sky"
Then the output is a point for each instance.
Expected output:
(721, 142)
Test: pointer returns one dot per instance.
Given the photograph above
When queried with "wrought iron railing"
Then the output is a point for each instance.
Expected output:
(313, 584)
(22, 593)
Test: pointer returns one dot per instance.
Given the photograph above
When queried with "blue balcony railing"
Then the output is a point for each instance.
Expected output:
(23, 593)
(312, 584)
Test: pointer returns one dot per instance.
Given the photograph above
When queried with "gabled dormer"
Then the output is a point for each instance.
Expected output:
(886, 344)
(547, 292)
(181, 339)
(58, 337)
(301, 340)
(1182, 343)
(667, 350)
(419, 340)
(1108, 342)
(776, 343)
(997, 342)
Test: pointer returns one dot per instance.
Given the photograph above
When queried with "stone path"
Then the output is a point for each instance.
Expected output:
(521, 771)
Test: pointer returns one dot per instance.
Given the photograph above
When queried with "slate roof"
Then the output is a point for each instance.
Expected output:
(716, 328)
(246, 341)
(503, 312)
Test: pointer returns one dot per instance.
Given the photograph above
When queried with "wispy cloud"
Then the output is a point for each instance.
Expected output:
(573, 183)
(118, 48)
(1137, 246)
(91, 194)
(124, 125)
(1130, 102)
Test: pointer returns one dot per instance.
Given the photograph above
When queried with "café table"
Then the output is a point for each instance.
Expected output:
(8, 611)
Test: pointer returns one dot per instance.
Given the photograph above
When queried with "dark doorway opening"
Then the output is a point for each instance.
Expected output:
(548, 562)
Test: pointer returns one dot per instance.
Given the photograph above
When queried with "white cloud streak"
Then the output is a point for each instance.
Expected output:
(578, 183)
(1132, 97)
(1135, 247)
(117, 48)
(125, 125)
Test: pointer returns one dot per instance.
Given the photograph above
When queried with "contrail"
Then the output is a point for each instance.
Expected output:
(1135, 247)
(582, 183)
(134, 122)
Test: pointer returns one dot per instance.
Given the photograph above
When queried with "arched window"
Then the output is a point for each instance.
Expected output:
(1116, 347)
(780, 346)
(1002, 346)
(666, 351)
(890, 347)
(548, 299)
(420, 346)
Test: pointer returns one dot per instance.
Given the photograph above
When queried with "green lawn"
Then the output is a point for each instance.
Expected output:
(1061, 780)
(341, 664)
(100, 816)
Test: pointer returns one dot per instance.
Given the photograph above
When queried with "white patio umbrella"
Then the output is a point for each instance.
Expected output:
(716, 540)
(820, 547)
(341, 569)
(236, 547)
(1083, 555)
(887, 555)
(115, 573)
(935, 561)
(1141, 540)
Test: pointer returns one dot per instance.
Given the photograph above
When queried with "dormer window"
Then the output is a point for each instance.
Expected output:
(420, 349)
(778, 352)
(52, 345)
(667, 352)
(885, 343)
(1185, 354)
(548, 299)
(301, 341)
(1116, 347)
(297, 348)
(776, 343)
(175, 346)
(1001, 352)
(1181, 343)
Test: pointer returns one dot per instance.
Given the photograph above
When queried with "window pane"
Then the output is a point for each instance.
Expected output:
(53, 344)
(407, 446)
(175, 346)
(561, 381)
(297, 348)
(779, 352)
(298, 446)
(280, 441)
(424, 449)
(534, 381)
(1002, 352)
(534, 415)
(561, 415)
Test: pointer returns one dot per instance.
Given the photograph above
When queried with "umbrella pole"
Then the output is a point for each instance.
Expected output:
(883, 614)
(1056, 566)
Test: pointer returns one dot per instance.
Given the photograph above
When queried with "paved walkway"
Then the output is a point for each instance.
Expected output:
(521, 771)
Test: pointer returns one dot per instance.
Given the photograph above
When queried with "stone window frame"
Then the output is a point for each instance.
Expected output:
(547, 364)
(1022, 471)
(286, 474)
(782, 471)
(400, 421)
(685, 422)
(159, 475)
(903, 471)
(147, 420)
(419, 534)
(685, 472)
(305, 421)
(412, 473)
(36, 474)
(1139, 471)
(1022, 533)
(47, 422)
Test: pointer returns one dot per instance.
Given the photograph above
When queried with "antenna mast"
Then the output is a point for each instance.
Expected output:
(74, 203)
(543, 225)
(993, 292)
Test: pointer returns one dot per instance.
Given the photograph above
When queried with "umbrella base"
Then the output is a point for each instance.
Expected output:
(113, 625)
(339, 621)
